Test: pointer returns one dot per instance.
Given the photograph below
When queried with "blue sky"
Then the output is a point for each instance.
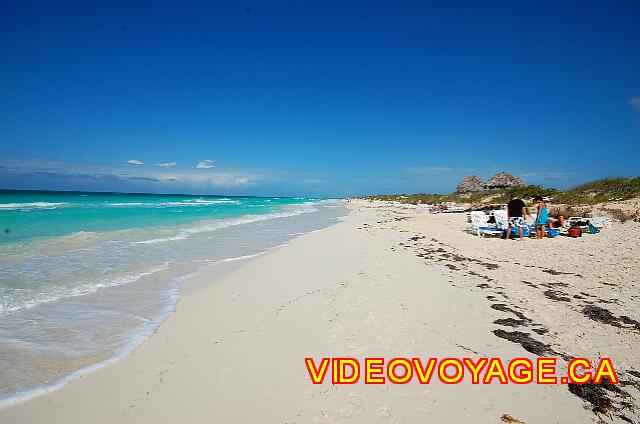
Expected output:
(325, 98)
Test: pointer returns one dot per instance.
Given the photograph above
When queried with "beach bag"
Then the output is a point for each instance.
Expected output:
(593, 229)
(574, 231)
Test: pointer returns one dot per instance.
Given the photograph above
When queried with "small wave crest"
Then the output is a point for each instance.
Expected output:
(32, 205)
(189, 203)
(247, 219)
(161, 240)
(11, 304)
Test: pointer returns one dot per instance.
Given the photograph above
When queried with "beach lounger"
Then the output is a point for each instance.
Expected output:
(553, 232)
(572, 220)
(600, 221)
(502, 222)
(480, 226)
(527, 231)
(583, 222)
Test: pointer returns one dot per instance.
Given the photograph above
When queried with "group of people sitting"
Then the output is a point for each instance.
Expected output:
(517, 211)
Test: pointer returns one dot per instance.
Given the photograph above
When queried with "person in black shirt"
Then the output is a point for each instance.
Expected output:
(516, 211)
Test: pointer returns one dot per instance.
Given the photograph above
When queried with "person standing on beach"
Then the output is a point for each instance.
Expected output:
(542, 217)
(516, 211)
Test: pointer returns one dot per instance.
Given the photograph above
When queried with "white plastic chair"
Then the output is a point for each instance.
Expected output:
(479, 224)
(502, 222)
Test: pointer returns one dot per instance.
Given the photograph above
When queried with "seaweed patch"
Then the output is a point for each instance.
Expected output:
(605, 316)
(556, 295)
(526, 341)
(594, 394)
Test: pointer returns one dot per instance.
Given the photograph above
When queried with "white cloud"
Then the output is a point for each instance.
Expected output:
(635, 102)
(167, 164)
(135, 162)
(154, 176)
(205, 164)
(45, 174)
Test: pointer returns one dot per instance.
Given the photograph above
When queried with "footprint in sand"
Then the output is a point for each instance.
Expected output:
(383, 412)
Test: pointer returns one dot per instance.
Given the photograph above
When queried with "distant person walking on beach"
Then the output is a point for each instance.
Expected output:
(542, 217)
(516, 211)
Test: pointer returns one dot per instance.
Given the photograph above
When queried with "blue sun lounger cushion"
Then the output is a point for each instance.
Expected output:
(516, 233)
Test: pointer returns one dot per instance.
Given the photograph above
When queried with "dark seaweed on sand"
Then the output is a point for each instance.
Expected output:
(557, 295)
(596, 395)
(605, 316)
(554, 272)
(593, 394)
(504, 308)
(510, 322)
(526, 341)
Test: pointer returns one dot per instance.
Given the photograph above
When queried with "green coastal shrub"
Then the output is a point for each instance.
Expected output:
(605, 190)
(532, 191)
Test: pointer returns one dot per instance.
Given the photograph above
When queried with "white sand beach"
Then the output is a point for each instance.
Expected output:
(386, 282)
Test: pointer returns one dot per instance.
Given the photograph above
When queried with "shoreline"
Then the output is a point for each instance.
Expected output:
(375, 284)
(214, 271)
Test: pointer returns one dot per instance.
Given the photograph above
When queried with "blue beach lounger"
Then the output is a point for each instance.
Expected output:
(480, 226)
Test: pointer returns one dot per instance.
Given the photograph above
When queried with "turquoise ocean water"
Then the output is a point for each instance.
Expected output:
(87, 277)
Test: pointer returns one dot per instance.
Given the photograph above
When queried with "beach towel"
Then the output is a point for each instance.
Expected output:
(552, 232)
(543, 218)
